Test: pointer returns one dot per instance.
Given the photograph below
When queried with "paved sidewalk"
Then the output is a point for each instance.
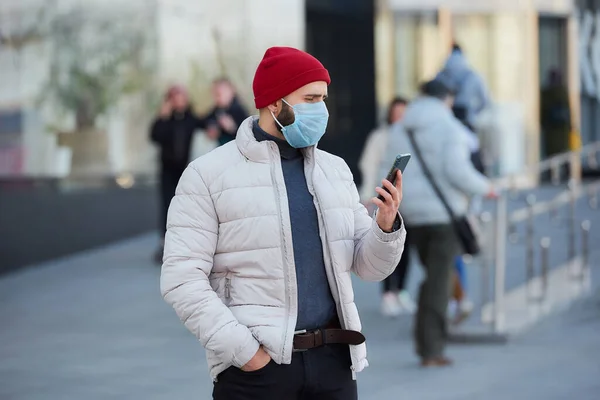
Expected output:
(93, 326)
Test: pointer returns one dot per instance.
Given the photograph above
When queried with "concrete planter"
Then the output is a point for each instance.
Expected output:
(89, 149)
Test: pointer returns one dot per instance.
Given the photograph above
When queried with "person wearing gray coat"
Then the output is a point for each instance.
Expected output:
(444, 147)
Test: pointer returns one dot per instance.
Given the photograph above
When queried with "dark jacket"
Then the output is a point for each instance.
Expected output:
(555, 119)
(236, 110)
(174, 137)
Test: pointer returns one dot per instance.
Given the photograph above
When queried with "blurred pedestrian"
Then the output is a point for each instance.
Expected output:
(262, 237)
(555, 114)
(471, 98)
(228, 113)
(439, 137)
(172, 131)
(395, 298)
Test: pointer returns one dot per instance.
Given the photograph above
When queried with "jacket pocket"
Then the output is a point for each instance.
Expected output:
(221, 284)
(259, 371)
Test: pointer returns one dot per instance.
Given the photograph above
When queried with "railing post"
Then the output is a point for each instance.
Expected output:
(513, 235)
(512, 184)
(571, 230)
(593, 197)
(486, 220)
(555, 171)
(545, 260)
(529, 243)
(585, 248)
(575, 165)
(500, 263)
(554, 215)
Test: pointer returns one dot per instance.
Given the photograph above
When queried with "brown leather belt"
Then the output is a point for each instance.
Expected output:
(309, 340)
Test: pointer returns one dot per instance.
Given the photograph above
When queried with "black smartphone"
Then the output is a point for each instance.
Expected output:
(400, 163)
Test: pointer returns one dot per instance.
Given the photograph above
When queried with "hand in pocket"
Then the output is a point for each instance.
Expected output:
(260, 360)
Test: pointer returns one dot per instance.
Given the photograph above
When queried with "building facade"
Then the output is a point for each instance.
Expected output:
(512, 44)
(588, 15)
(178, 42)
(375, 50)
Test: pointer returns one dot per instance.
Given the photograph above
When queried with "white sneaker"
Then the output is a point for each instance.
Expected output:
(390, 306)
(463, 311)
(452, 309)
(406, 302)
(466, 306)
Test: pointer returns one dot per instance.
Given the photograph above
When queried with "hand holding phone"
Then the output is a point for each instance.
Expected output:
(400, 164)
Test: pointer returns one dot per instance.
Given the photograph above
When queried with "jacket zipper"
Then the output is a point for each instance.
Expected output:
(327, 253)
(284, 252)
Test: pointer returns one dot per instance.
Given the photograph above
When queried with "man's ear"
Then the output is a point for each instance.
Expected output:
(275, 107)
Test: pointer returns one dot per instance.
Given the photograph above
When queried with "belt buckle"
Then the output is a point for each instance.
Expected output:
(300, 332)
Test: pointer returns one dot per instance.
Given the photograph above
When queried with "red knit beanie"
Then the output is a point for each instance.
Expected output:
(282, 71)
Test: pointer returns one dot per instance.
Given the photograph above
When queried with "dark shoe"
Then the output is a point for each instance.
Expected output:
(436, 362)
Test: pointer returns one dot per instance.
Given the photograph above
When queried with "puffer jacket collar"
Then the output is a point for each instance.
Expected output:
(257, 151)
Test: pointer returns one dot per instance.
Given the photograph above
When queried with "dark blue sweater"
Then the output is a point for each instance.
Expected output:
(316, 306)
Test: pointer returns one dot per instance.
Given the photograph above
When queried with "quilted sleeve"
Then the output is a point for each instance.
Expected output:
(376, 253)
(190, 243)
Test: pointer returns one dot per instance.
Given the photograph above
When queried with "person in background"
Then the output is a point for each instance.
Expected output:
(555, 114)
(228, 113)
(443, 144)
(471, 98)
(172, 131)
(395, 298)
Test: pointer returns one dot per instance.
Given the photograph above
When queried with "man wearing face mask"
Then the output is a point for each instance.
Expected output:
(263, 234)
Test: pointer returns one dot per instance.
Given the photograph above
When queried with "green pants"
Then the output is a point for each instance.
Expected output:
(437, 246)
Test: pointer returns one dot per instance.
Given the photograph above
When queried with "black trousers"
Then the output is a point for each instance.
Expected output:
(169, 178)
(322, 373)
(397, 279)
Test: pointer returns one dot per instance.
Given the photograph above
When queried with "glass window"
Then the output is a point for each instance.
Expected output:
(417, 55)
(474, 34)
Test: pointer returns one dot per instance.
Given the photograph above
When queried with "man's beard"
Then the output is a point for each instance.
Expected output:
(286, 116)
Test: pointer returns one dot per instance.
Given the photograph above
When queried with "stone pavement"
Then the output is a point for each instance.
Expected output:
(93, 326)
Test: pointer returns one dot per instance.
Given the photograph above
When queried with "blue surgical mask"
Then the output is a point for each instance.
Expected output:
(309, 124)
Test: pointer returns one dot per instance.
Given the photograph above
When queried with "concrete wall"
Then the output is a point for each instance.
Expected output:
(202, 40)
(39, 223)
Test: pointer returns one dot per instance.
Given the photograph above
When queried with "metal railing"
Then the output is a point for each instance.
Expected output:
(589, 152)
(500, 229)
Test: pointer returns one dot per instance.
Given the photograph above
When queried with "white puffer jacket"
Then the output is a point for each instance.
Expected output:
(229, 266)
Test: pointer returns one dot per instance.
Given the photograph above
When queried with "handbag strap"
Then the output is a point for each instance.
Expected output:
(427, 172)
